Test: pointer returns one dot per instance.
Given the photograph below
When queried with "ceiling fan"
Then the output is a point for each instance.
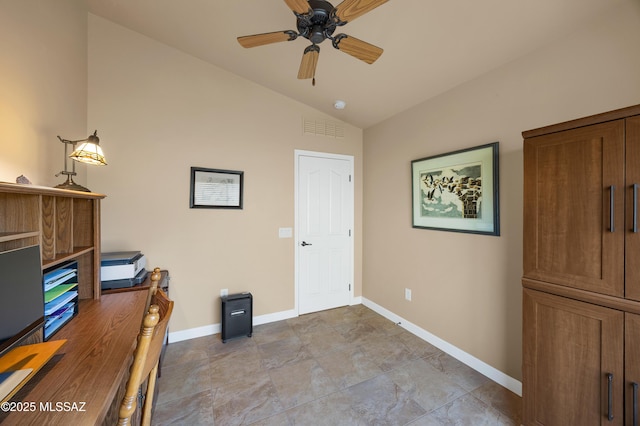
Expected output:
(317, 20)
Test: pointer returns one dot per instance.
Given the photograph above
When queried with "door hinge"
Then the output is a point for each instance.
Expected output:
(349, 286)
(349, 178)
(349, 232)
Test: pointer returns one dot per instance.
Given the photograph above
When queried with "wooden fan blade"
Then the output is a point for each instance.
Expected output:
(309, 62)
(358, 48)
(349, 10)
(266, 38)
(300, 7)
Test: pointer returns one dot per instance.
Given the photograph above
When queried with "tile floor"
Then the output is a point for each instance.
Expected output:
(347, 366)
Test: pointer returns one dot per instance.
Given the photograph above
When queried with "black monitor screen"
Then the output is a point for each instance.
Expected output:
(21, 294)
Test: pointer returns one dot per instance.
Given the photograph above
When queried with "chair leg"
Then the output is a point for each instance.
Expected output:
(148, 401)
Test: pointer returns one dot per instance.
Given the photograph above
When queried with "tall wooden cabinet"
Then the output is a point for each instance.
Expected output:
(66, 225)
(581, 271)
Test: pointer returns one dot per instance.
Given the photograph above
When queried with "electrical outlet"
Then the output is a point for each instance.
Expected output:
(407, 294)
(224, 292)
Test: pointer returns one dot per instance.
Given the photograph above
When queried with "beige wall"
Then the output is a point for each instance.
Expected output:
(161, 112)
(466, 288)
(43, 86)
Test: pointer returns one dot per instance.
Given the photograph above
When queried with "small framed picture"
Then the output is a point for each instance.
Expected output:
(457, 191)
(216, 188)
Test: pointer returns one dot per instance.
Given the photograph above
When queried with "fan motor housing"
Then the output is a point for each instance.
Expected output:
(319, 25)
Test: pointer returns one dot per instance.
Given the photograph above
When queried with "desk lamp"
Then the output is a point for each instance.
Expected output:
(88, 152)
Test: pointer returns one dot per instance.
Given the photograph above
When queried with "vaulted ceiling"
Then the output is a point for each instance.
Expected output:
(429, 46)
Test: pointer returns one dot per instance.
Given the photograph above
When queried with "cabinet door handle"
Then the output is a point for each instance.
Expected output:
(635, 403)
(635, 207)
(612, 190)
(610, 396)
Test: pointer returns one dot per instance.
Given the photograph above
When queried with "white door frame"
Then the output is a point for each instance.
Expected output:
(300, 153)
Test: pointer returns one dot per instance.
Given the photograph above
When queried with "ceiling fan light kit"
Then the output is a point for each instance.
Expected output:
(317, 20)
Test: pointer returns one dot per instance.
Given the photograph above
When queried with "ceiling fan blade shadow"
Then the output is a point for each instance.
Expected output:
(349, 10)
(309, 62)
(266, 38)
(300, 7)
(357, 48)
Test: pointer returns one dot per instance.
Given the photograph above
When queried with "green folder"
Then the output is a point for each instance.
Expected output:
(57, 291)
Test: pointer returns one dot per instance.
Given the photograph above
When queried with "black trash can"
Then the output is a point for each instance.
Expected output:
(237, 316)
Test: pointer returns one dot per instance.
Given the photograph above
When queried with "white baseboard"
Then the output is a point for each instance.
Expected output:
(497, 376)
(277, 316)
(208, 330)
(494, 374)
(194, 333)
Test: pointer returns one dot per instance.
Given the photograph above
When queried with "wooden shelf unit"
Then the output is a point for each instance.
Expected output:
(66, 225)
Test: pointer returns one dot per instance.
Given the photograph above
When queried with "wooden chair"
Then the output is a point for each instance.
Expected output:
(153, 287)
(155, 279)
(145, 358)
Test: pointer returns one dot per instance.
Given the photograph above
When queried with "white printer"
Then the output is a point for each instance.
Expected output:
(122, 269)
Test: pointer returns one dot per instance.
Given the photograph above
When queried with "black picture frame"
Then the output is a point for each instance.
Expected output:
(216, 188)
(458, 191)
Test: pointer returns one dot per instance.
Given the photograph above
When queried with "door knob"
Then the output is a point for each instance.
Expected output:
(304, 243)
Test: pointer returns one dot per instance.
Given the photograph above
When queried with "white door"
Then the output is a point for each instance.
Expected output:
(324, 242)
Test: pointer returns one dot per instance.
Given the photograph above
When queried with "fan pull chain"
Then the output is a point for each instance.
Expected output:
(313, 81)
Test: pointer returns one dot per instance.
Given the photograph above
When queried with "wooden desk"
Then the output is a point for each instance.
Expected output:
(145, 286)
(88, 370)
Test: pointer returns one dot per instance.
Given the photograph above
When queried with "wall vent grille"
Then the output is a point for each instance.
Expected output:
(323, 128)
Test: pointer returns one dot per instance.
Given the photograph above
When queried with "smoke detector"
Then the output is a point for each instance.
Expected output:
(339, 104)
